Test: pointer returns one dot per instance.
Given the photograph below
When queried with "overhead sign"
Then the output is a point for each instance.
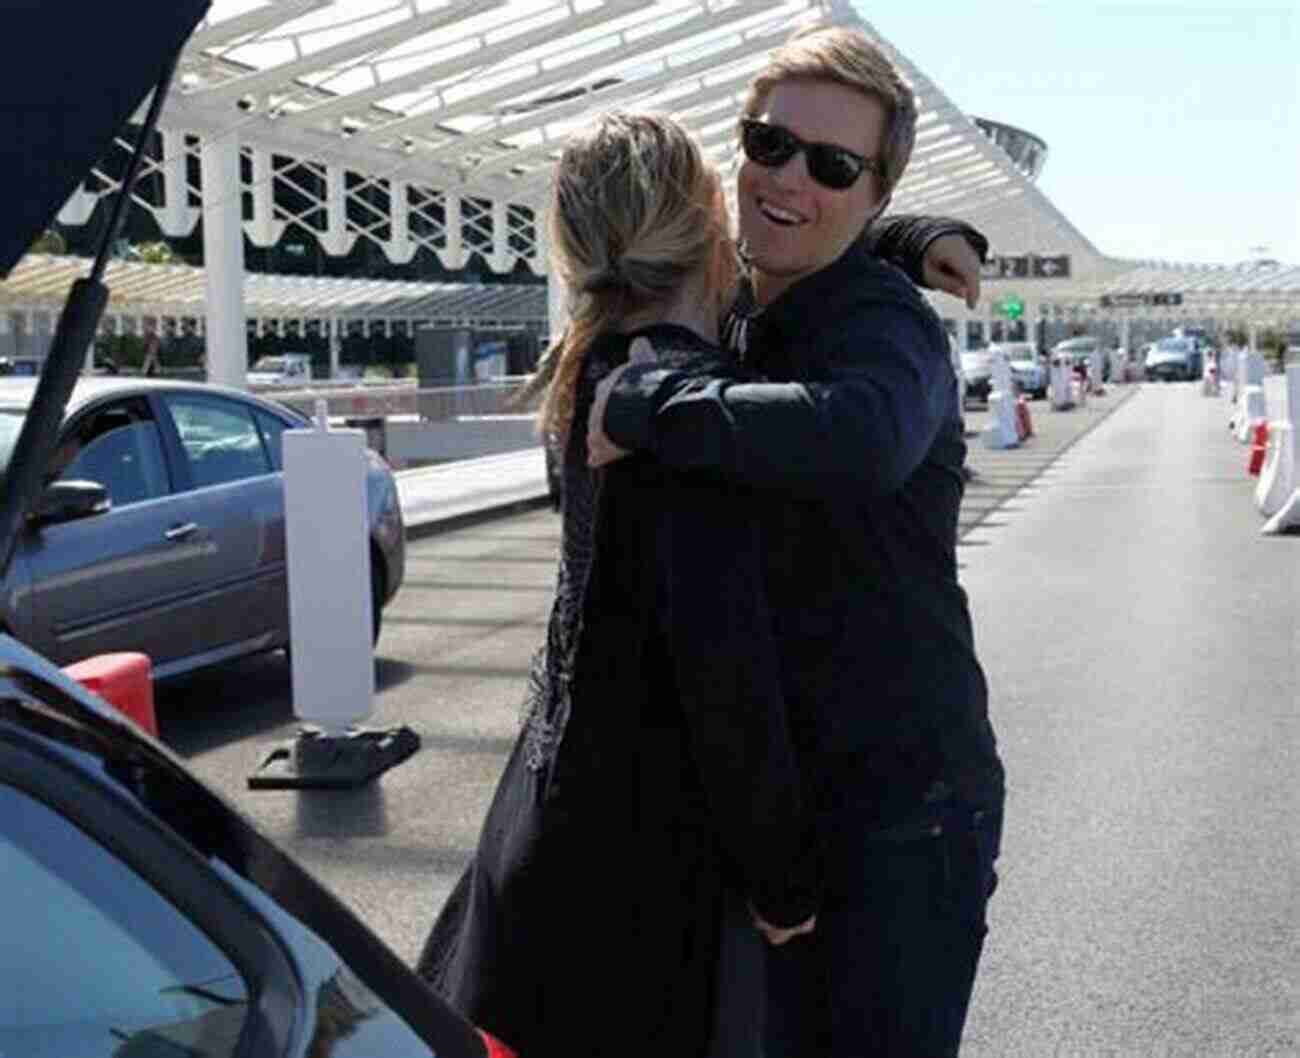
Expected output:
(1026, 266)
(1131, 301)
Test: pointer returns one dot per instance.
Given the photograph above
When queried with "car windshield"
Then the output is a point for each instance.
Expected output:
(269, 363)
(1173, 345)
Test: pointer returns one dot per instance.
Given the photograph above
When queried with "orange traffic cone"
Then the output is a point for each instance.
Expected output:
(1024, 425)
(124, 680)
(1258, 448)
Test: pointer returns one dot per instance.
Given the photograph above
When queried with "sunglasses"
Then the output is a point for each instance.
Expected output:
(832, 166)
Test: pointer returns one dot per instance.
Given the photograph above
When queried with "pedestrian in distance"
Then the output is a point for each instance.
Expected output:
(856, 431)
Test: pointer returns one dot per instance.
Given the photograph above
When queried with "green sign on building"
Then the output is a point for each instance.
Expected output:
(1010, 306)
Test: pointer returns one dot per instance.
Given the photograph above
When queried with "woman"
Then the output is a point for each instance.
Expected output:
(655, 770)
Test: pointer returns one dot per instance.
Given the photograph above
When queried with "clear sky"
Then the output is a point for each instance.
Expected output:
(1173, 127)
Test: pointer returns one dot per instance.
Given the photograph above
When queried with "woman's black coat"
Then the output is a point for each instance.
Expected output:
(655, 769)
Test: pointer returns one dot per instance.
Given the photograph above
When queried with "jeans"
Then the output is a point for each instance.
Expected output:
(888, 973)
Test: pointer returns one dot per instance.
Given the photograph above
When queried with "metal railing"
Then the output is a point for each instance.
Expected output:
(352, 401)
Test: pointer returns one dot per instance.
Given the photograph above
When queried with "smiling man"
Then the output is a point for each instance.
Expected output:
(857, 433)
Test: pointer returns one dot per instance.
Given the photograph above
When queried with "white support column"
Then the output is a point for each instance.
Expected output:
(177, 217)
(335, 326)
(557, 309)
(223, 263)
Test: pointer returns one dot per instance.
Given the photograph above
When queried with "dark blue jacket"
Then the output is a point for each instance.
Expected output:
(859, 426)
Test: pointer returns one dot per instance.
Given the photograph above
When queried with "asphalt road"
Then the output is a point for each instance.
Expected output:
(1141, 641)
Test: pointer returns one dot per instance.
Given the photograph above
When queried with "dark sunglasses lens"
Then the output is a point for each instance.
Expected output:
(768, 144)
(833, 167)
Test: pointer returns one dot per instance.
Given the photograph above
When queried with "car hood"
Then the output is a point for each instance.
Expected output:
(1024, 365)
(1155, 359)
(300, 909)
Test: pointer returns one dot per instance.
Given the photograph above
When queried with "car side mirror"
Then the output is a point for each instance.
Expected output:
(66, 501)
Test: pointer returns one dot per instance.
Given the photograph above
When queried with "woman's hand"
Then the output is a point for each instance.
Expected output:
(778, 935)
(950, 264)
(600, 449)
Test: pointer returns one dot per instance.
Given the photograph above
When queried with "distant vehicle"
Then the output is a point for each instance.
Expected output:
(1028, 370)
(977, 369)
(161, 529)
(286, 369)
(954, 356)
(30, 366)
(1081, 349)
(1173, 359)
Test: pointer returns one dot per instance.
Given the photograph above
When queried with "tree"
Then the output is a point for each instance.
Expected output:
(152, 253)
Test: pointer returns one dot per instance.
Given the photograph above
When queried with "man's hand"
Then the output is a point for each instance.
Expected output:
(951, 265)
(778, 935)
(600, 449)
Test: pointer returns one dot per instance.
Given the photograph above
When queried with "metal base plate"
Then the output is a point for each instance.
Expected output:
(317, 761)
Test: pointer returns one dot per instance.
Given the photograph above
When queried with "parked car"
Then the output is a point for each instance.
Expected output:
(144, 917)
(977, 369)
(161, 529)
(1172, 359)
(1028, 369)
(288, 369)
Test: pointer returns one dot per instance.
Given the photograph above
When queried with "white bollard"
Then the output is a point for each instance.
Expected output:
(1252, 407)
(1277, 478)
(1280, 475)
(1001, 430)
(328, 554)
(1094, 371)
(331, 629)
(1061, 397)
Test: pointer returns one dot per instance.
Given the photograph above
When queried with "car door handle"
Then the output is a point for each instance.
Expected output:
(180, 532)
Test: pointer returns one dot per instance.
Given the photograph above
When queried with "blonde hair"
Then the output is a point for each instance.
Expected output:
(634, 214)
(846, 57)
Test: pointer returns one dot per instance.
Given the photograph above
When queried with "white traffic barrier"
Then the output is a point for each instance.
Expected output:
(1251, 408)
(1094, 371)
(1001, 431)
(1061, 396)
(1280, 475)
(1277, 475)
(1209, 377)
(327, 551)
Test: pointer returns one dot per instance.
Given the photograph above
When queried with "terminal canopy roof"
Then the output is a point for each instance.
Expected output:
(434, 124)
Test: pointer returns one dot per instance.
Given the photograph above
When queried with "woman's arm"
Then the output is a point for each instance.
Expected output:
(719, 635)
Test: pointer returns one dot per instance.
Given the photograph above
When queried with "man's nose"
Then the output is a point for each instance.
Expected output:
(794, 173)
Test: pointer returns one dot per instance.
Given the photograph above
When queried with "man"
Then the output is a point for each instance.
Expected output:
(860, 429)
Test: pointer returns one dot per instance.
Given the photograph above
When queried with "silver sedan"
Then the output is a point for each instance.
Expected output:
(177, 549)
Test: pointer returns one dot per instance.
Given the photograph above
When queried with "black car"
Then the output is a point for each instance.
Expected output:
(145, 918)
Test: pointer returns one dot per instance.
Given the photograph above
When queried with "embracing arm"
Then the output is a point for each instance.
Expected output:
(866, 429)
(718, 632)
(940, 253)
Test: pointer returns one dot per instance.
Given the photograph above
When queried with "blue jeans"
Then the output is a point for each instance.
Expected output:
(889, 971)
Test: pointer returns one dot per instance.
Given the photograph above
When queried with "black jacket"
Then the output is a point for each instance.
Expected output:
(859, 429)
(656, 769)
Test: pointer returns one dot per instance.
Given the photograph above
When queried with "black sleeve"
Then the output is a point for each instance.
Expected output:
(866, 430)
(719, 635)
(903, 239)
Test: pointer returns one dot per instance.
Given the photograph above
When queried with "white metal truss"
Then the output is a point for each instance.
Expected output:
(434, 124)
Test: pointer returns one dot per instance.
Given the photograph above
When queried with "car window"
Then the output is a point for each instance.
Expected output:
(273, 427)
(95, 961)
(119, 447)
(220, 438)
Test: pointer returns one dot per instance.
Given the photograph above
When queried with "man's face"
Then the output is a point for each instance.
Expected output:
(792, 225)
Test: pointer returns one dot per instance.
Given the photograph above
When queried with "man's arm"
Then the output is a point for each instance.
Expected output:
(865, 430)
(941, 253)
(719, 635)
